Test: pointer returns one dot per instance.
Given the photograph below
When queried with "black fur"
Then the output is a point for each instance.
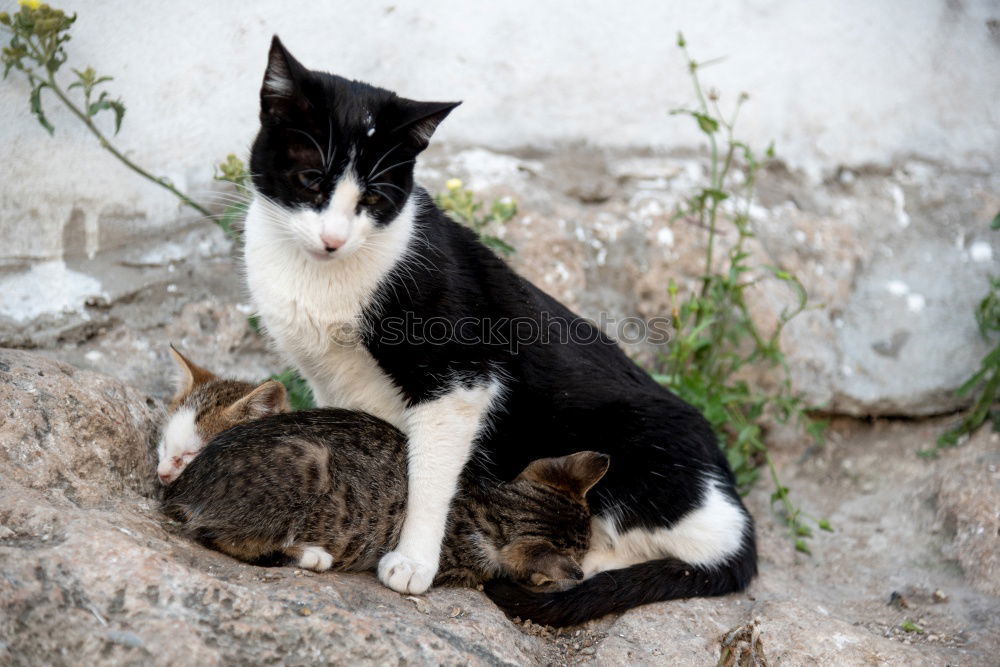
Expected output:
(620, 590)
(307, 136)
(559, 397)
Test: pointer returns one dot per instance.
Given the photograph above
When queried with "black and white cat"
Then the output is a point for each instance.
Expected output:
(342, 247)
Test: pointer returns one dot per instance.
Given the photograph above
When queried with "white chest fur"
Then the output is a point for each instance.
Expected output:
(313, 310)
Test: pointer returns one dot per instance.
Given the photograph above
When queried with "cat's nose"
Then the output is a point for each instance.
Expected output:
(165, 478)
(330, 242)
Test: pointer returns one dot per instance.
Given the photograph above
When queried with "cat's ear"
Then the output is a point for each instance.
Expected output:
(418, 120)
(189, 375)
(538, 562)
(575, 474)
(281, 94)
(267, 399)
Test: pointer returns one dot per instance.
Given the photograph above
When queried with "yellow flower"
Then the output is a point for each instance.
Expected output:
(30, 4)
(453, 183)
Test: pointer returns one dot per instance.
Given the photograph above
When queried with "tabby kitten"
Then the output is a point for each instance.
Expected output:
(327, 489)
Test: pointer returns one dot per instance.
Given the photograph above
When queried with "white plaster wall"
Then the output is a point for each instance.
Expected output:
(848, 82)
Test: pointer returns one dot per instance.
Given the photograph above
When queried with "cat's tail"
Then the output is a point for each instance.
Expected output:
(619, 590)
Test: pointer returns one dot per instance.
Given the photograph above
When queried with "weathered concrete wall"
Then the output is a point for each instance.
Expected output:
(851, 83)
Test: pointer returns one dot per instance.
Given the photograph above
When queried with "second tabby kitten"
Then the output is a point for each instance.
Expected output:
(327, 488)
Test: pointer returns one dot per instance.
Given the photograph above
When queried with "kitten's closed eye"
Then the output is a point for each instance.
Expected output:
(183, 459)
(371, 199)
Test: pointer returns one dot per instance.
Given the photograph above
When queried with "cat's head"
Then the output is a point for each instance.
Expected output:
(545, 519)
(333, 161)
(205, 405)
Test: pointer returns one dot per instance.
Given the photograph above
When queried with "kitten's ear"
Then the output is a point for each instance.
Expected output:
(418, 120)
(575, 474)
(280, 94)
(267, 399)
(189, 375)
(538, 562)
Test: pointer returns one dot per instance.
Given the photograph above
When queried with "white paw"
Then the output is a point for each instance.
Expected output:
(315, 558)
(404, 574)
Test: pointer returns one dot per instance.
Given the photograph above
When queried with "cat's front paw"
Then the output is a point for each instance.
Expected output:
(315, 558)
(404, 574)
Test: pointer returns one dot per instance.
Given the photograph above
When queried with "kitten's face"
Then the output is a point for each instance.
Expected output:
(333, 161)
(205, 406)
(546, 519)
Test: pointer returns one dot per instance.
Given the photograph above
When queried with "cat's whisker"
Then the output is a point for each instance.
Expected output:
(391, 185)
(385, 196)
(384, 156)
(398, 164)
(329, 143)
(322, 155)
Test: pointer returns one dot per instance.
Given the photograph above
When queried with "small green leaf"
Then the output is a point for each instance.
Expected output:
(706, 123)
(910, 626)
(717, 195)
(36, 107)
(996, 222)
(498, 244)
(100, 104)
(800, 545)
(824, 525)
(119, 109)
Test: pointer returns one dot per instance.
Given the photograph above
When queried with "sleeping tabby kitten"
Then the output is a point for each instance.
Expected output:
(327, 489)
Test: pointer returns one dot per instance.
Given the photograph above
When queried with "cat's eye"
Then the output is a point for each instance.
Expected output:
(371, 199)
(310, 179)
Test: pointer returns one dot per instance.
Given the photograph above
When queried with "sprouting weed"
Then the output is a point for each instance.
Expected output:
(38, 35)
(987, 379)
(463, 206)
(300, 396)
(235, 172)
(717, 336)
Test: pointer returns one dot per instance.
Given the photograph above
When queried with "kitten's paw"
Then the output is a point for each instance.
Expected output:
(315, 558)
(404, 574)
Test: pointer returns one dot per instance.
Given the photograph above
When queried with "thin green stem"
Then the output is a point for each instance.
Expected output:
(107, 145)
(790, 511)
(43, 53)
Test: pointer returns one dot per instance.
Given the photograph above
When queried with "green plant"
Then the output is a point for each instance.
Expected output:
(987, 378)
(234, 171)
(300, 396)
(462, 205)
(38, 34)
(717, 337)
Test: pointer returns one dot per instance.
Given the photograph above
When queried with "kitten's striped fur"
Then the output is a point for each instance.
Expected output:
(327, 489)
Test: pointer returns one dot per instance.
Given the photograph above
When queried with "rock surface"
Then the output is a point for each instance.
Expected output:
(895, 261)
(968, 505)
(90, 573)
